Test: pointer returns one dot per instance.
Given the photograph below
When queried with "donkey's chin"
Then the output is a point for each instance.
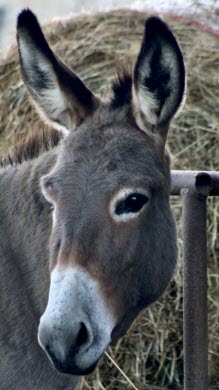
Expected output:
(70, 368)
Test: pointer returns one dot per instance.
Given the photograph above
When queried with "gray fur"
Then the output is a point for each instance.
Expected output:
(132, 262)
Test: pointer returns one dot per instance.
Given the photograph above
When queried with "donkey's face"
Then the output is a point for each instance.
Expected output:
(113, 241)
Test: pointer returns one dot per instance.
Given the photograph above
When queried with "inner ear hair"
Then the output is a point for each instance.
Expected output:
(59, 95)
(159, 78)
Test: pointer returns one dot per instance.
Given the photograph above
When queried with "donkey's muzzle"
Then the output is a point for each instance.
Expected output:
(76, 326)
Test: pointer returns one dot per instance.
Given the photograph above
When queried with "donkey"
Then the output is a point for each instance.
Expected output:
(87, 236)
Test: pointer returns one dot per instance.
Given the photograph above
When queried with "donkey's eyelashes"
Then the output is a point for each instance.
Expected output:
(48, 190)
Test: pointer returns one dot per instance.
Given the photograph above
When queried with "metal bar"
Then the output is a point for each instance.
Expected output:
(195, 187)
(195, 322)
(189, 179)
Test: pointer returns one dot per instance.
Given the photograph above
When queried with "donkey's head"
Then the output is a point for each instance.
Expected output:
(113, 242)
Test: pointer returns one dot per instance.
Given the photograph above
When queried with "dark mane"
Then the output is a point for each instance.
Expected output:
(32, 146)
(122, 86)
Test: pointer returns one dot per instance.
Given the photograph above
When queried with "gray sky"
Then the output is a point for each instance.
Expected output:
(204, 11)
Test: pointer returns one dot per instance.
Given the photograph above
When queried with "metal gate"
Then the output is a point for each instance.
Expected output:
(194, 188)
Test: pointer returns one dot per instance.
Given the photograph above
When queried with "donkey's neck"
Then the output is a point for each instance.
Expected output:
(25, 226)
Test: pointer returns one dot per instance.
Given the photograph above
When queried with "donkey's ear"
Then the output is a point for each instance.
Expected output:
(59, 95)
(159, 79)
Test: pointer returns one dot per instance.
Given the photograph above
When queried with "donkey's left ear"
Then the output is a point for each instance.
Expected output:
(159, 79)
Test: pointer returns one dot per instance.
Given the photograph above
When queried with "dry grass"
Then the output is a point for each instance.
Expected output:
(151, 354)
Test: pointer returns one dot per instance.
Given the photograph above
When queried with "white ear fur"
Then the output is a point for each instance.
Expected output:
(144, 102)
(52, 101)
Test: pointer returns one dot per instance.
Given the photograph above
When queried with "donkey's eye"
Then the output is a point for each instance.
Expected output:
(48, 191)
(50, 206)
(133, 203)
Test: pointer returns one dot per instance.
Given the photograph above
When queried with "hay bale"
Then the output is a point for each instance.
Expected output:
(91, 45)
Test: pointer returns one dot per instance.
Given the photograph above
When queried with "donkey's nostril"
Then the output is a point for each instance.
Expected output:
(82, 336)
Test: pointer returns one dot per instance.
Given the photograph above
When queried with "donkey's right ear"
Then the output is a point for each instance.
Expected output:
(59, 95)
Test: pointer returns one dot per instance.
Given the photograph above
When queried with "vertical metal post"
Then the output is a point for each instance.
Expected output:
(195, 289)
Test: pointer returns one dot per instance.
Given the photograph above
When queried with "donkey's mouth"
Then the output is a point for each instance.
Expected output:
(70, 368)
